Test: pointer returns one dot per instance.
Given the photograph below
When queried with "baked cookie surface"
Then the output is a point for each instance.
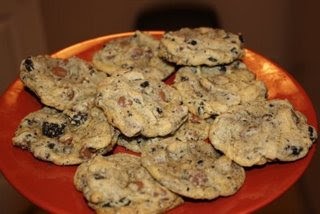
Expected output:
(119, 184)
(55, 137)
(135, 53)
(209, 91)
(194, 129)
(200, 46)
(65, 84)
(136, 105)
(192, 169)
(258, 132)
(135, 143)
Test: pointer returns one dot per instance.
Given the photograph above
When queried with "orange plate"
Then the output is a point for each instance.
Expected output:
(51, 187)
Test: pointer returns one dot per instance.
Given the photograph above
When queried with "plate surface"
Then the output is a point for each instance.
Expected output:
(51, 187)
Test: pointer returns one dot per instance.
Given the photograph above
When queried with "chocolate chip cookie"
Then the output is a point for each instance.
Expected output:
(119, 184)
(259, 132)
(209, 91)
(65, 84)
(55, 137)
(201, 46)
(138, 52)
(192, 169)
(137, 105)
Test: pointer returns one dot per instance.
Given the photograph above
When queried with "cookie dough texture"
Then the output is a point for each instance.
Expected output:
(209, 91)
(263, 131)
(119, 184)
(192, 169)
(200, 46)
(134, 53)
(65, 84)
(53, 136)
(136, 105)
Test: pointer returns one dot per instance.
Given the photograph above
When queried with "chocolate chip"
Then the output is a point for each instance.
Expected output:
(98, 176)
(30, 122)
(214, 116)
(108, 204)
(139, 140)
(78, 118)
(144, 84)
(51, 145)
(234, 51)
(183, 78)
(267, 117)
(129, 113)
(222, 68)
(125, 201)
(294, 149)
(136, 100)
(312, 134)
(192, 42)
(241, 38)
(159, 110)
(47, 156)
(201, 108)
(199, 161)
(212, 59)
(52, 129)
(28, 64)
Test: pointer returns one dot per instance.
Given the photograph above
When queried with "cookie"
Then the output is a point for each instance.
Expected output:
(194, 129)
(135, 143)
(65, 84)
(55, 137)
(263, 131)
(200, 46)
(119, 184)
(136, 105)
(192, 169)
(209, 91)
(135, 53)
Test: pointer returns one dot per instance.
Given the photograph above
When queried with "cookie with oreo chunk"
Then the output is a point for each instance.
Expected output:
(138, 52)
(53, 136)
(120, 184)
(263, 131)
(209, 91)
(201, 46)
(140, 106)
(66, 84)
(192, 169)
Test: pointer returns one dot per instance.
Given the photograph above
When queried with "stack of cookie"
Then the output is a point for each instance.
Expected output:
(195, 135)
